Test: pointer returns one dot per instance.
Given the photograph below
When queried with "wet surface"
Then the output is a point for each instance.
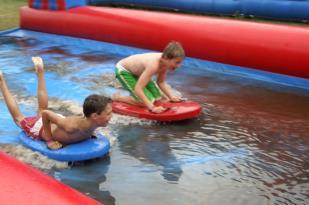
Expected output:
(249, 146)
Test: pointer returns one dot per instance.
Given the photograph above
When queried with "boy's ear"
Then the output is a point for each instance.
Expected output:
(164, 60)
(93, 115)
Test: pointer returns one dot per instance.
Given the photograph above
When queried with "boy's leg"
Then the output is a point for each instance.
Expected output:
(125, 99)
(153, 91)
(10, 101)
(43, 98)
(42, 93)
(128, 81)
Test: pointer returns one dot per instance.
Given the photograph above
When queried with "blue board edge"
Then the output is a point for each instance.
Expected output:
(84, 150)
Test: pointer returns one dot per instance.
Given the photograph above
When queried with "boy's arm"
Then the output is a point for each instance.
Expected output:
(49, 117)
(163, 86)
(140, 85)
(166, 89)
(143, 80)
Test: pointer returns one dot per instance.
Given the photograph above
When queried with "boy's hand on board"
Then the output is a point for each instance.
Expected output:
(176, 99)
(158, 109)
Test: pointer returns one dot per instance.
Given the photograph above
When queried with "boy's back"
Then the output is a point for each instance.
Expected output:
(136, 64)
(74, 131)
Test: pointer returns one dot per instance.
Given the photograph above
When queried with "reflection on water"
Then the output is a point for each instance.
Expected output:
(18, 42)
(150, 149)
(249, 146)
(87, 177)
(90, 57)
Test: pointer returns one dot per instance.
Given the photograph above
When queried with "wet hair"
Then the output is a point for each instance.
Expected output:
(95, 104)
(173, 50)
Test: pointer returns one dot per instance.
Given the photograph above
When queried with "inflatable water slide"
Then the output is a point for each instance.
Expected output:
(271, 49)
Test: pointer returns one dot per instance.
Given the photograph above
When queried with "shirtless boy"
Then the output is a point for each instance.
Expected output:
(135, 74)
(53, 128)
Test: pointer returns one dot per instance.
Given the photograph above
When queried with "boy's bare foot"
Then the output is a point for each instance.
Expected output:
(126, 99)
(177, 99)
(54, 145)
(158, 109)
(163, 100)
(38, 64)
(1, 76)
(1, 79)
(116, 96)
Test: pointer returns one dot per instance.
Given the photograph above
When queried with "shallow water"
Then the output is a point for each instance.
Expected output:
(249, 146)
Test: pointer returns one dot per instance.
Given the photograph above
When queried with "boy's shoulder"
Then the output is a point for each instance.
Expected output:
(149, 55)
(73, 124)
(72, 121)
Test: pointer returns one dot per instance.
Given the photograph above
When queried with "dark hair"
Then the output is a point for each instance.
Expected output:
(173, 50)
(95, 104)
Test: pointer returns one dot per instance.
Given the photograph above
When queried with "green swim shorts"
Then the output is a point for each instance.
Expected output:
(128, 81)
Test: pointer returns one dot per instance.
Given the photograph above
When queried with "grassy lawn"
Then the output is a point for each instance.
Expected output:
(9, 13)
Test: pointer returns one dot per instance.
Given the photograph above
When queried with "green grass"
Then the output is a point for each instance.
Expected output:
(9, 13)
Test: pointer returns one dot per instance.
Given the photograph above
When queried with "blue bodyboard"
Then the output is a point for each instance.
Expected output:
(84, 150)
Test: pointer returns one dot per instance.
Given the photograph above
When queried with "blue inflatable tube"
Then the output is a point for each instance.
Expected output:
(274, 9)
(202, 6)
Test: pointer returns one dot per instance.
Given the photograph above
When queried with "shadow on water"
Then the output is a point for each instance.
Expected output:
(90, 57)
(98, 57)
(87, 176)
(19, 41)
(150, 148)
(56, 50)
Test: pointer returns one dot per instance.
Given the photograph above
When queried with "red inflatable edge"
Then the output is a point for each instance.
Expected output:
(22, 184)
(275, 48)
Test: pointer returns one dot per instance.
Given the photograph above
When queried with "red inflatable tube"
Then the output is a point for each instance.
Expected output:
(276, 48)
(22, 184)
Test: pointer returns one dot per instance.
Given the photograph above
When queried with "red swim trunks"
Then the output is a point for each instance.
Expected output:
(33, 126)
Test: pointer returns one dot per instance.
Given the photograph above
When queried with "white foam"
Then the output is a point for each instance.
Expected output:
(32, 158)
(127, 120)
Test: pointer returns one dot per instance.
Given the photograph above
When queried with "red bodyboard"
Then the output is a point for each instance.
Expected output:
(176, 111)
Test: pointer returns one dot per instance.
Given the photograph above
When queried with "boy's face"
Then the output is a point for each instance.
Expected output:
(104, 117)
(173, 64)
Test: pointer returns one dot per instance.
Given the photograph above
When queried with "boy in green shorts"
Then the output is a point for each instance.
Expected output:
(135, 74)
